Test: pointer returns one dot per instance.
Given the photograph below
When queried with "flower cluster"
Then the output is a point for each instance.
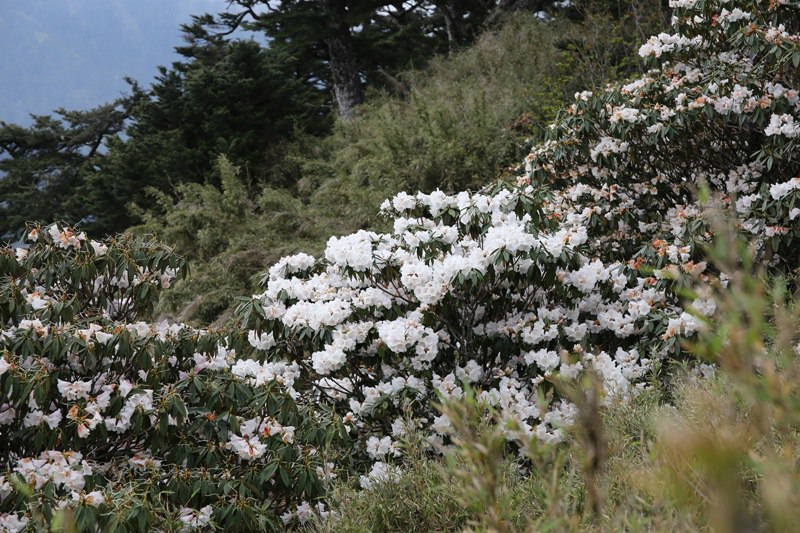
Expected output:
(464, 300)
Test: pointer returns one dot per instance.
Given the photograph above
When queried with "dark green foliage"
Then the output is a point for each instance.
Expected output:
(231, 97)
(171, 450)
(48, 170)
(385, 36)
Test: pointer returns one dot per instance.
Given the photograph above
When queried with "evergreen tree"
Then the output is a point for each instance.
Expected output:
(347, 45)
(230, 97)
(227, 97)
(47, 169)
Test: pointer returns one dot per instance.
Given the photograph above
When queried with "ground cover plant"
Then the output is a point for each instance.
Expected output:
(574, 285)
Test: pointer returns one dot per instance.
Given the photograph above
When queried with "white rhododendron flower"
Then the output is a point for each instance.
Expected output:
(783, 124)
(13, 522)
(381, 472)
(99, 248)
(247, 448)
(195, 519)
(74, 390)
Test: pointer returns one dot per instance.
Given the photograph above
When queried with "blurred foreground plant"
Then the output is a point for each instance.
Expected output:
(735, 454)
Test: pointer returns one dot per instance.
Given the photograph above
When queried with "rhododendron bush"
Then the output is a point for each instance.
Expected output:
(578, 265)
(123, 424)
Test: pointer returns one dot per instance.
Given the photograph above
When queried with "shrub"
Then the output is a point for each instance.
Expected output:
(110, 422)
(579, 265)
(719, 451)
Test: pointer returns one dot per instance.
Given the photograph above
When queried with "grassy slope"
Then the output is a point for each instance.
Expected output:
(461, 123)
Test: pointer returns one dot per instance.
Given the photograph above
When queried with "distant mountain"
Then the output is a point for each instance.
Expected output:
(75, 53)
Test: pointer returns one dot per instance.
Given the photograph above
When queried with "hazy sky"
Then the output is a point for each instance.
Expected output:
(75, 53)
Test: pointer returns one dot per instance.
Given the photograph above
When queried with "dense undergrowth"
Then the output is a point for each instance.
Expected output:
(713, 448)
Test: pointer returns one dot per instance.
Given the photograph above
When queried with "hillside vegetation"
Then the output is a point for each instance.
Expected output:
(604, 336)
(460, 123)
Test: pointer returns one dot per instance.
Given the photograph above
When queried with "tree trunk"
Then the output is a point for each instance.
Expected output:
(347, 89)
(453, 36)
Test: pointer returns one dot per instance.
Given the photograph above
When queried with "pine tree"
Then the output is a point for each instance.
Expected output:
(46, 168)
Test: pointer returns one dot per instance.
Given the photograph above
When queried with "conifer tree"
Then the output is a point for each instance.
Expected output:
(48, 166)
